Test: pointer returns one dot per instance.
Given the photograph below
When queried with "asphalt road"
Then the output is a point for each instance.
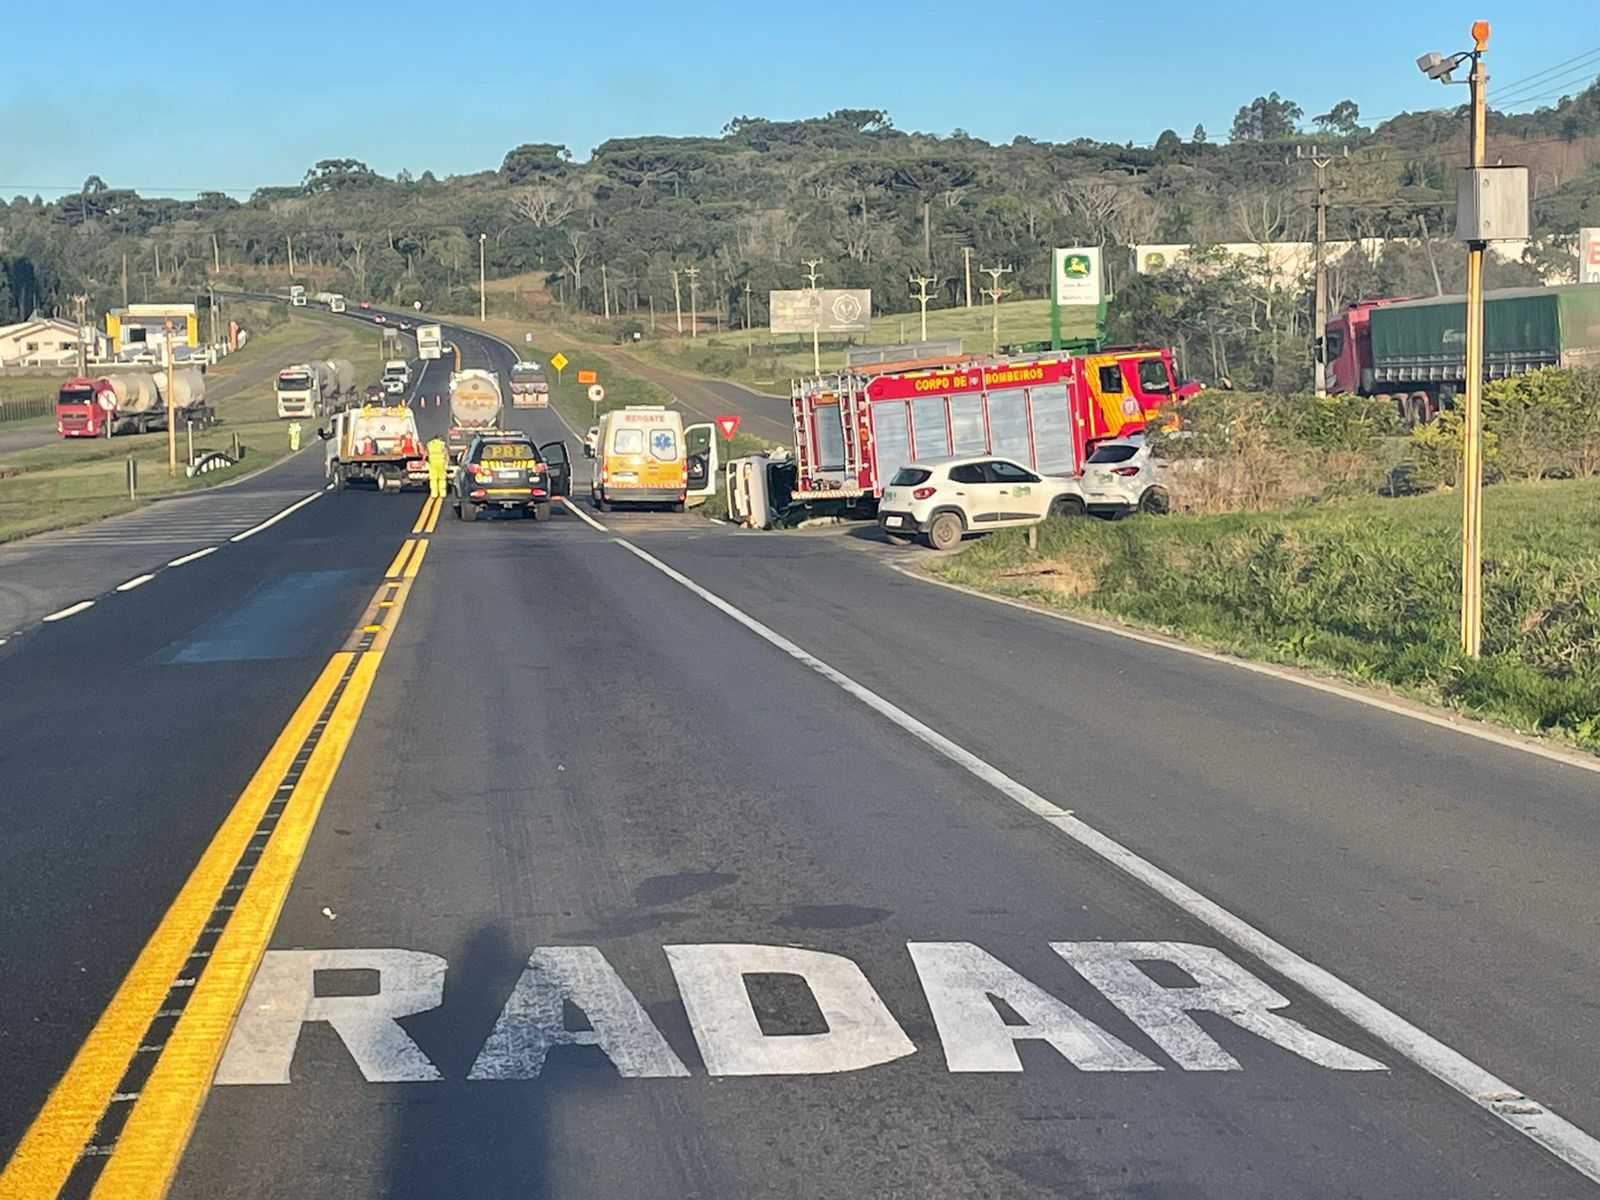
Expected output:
(682, 794)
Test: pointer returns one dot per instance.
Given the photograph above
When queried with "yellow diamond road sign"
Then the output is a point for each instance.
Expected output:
(558, 360)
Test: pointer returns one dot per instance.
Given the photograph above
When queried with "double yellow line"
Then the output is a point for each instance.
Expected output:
(119, 1119)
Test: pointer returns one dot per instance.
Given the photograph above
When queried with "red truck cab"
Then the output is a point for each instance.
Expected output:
(81, 409)
(1347, 346)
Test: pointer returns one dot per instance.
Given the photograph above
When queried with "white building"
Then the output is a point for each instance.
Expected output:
(45, 342)
(1285, 261)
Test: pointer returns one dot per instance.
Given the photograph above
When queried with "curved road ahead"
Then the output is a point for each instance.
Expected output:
(381, 855)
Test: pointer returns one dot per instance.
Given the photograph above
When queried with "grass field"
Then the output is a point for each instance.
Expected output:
(1365, 590)
(74, 481)
(769, 362)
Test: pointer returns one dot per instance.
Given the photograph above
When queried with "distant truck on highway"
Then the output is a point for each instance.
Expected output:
(475, 404)
(530, 388)
(333, 301)
(430, 341)
(297, 296)
(1414, 352)
(316, 389)
(396, 376)
(130, 402)
(377, 444)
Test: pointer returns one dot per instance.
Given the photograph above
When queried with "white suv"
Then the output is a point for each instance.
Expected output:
(1123, 476)
(945, 499)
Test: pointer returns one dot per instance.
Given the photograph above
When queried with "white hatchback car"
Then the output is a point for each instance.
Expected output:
(1123, 476)
(945, 499)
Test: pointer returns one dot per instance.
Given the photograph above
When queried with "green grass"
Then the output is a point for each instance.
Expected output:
(769, 362)
(75, 481)
(1366, 590)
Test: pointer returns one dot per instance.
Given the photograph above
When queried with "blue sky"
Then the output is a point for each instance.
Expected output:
(252, 100)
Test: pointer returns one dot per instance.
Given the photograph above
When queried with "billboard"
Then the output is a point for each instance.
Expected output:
(1589, 255)
(1076, 271)
(823, 310)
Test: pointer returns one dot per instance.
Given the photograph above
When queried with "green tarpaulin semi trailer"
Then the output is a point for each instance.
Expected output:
(1415, 351)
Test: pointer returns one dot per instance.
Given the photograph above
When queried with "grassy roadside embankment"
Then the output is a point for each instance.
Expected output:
(74, 481)
(1366, 590)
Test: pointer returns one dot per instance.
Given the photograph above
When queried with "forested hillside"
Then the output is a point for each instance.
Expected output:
(872, 202)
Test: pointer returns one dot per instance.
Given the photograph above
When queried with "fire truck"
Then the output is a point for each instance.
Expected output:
(854, 430)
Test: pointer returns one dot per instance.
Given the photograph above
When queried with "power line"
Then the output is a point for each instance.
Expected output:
(1517, 83)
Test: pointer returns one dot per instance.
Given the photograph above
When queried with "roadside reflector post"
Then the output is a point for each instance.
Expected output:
(133, 478)
(189, 429)
(237, 455)
(1033, 537)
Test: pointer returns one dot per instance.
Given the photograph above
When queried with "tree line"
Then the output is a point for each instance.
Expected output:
(613, 233)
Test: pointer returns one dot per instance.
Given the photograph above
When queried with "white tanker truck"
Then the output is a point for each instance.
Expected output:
(316, 389)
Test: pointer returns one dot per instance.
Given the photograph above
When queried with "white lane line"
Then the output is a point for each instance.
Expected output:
(1484, 733)
(69, 611)
(583, 516)
(136, 581)
(189, 558)
(276, 517)
(1533, 1120)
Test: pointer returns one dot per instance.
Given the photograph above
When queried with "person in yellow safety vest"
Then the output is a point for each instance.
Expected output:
(438, 463)
(294, 436)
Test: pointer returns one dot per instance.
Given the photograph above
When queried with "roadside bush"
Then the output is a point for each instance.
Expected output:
(1251, 450)
(1546, 422)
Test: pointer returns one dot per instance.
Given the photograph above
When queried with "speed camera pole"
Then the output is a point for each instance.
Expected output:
(816, 317)
(172, 428)
(1471, 228)
(1472, 438)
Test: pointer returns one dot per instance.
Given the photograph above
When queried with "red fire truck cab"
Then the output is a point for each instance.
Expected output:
(854, 430)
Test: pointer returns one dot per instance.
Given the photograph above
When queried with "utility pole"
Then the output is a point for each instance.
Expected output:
(694, 300)
(812, 276)
(124, 279)
(966, 263)
(172, 418)
(1472, 440)
(216, 256)
(677, 300)
(483, 278)
(1319, 321)
(922, 283)
(994, 292)
(288, 240)
(83, 340)
(605, 293)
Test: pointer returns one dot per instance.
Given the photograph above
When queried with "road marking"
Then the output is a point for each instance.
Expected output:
(415, 564)
(731, 1021)
(422, 517)
(400, 557)
(199, 962)
(433, 517)
(70, 611)
(583, 516)
(276, 517)
(136, 581)
(1533, 1120)
(195, 557)
(1484, 733)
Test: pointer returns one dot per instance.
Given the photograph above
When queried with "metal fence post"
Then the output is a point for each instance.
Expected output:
(133, 478)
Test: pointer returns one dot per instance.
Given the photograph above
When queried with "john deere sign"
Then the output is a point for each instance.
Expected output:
(1077, 300)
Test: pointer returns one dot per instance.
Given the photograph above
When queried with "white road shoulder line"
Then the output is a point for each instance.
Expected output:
(195, 557)
(71, 610)
(276, 517)
(1554, 1133)
(583, 516)
(1463, 725)
(136, 581)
